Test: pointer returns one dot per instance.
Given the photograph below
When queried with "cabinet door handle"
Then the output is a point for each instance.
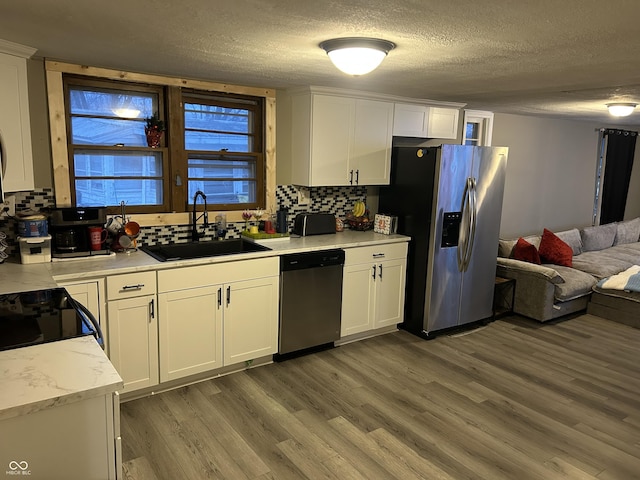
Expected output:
(374, 272)
(380, 274)
(152, 310)
(139, 286)
(228, 295)
(357, 176)
(219, 297)
(351, 177)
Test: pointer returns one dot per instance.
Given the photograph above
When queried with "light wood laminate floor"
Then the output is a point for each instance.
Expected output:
(514, 400)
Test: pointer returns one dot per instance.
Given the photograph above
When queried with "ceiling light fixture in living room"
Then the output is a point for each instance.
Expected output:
(357, 56)
(621, 109)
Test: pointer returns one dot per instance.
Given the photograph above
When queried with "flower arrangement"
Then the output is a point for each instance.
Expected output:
(258, 214)
(154, 123)
(246, 216)
(153, 130)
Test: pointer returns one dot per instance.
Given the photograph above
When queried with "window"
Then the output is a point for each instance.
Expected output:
(213, 140)
(478, 128)
(109, 158)
(224, 150)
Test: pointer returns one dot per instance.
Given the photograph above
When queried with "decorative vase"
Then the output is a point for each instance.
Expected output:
(153, 136)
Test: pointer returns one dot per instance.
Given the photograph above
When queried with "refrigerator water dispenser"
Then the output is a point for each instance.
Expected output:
(450, 229)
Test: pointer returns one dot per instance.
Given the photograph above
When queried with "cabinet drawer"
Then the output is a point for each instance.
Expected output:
(217, 273)
(131, 285)
(354, 256)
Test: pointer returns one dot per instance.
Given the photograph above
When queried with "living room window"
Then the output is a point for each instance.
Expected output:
(213, 142)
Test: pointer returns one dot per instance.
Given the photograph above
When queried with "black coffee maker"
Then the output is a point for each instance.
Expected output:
(69, 231)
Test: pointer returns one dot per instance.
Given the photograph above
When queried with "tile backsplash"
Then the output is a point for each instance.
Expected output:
(336, 200)
(25, 201)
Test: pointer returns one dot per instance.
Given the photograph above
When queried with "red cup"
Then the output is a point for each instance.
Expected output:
(97, 236)
(268, 227)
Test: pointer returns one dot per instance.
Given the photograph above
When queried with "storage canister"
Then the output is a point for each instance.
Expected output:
(33, 226)
(35, 250)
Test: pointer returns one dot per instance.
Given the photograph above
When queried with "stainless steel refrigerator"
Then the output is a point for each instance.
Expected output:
(448, 199)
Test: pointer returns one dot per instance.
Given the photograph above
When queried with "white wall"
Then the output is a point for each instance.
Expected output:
(550, 173)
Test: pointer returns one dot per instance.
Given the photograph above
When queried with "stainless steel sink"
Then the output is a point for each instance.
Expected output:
(184, 251)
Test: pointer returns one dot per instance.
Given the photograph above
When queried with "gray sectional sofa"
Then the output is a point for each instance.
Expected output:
(544, 292)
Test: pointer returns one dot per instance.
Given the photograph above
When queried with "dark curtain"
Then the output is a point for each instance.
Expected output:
(621, 147)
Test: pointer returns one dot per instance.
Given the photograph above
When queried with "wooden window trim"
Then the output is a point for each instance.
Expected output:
(58, 130)
(75, 80)
(258, 135)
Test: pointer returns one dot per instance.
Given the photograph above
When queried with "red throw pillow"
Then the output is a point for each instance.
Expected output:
(553, 250)
(525, 251)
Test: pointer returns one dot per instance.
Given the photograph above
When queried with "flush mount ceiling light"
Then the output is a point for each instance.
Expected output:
(621, 109)
(357, 56)
(127, 112)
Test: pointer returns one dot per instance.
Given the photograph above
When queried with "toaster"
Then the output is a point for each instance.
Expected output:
(314, 224)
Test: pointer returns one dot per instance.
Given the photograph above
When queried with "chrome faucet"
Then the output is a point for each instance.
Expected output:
(195, 236)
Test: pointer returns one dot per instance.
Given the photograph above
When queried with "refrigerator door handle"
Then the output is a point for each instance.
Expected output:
(473, 211)
(461, 250)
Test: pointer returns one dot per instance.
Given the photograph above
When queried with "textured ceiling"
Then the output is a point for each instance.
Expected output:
(542, 57)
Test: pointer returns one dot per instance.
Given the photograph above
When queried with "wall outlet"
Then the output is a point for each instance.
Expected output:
(10, 203)
(304, 196)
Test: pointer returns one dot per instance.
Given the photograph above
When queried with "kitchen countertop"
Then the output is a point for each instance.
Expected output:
(15, 277)
(51, 374)
(138, 261)
(57, 373)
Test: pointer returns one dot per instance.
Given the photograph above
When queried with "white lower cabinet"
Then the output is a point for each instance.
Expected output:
(89, 293)
(133, 328)
(78, 440)
(358, 297)
(217, 315)
(373, 289)
(251, 319)
(190, 324)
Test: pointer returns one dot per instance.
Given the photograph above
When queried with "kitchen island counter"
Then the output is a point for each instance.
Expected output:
(16, 277)
(52, 374)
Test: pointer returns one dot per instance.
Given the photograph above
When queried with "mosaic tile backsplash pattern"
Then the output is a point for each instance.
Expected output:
(336, 200)
(32, 201)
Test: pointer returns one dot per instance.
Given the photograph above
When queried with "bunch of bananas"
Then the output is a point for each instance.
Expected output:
(359, 209)
(358, 217)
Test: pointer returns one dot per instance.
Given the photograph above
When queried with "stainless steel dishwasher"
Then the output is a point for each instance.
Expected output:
(310, 301)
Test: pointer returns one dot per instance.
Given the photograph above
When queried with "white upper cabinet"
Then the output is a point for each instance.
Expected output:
(443, 122)
(333, 137)
(15, 127)
(424, 121)
(410, 120)
(326, 156)
(334, 140)
(370, 156)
